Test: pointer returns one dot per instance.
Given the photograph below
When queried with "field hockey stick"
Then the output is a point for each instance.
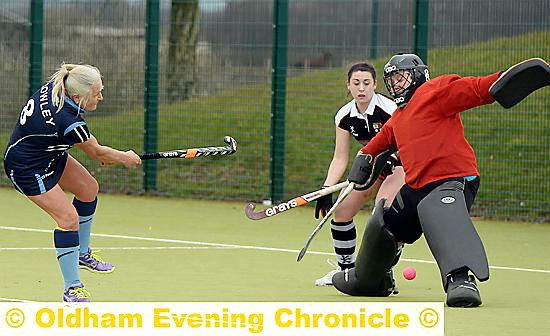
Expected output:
(343, 195)
(194, 152)
(378, 165)
(293, 203)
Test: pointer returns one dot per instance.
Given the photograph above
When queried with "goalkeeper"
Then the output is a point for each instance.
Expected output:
(441, 176)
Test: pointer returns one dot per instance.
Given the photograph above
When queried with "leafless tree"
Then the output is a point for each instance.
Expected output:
(184, 34)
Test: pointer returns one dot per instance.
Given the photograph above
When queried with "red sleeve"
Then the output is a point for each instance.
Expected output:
(463, 93)
(382, 140)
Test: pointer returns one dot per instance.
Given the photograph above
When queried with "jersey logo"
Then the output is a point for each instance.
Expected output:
(377, 126)
(352, 131)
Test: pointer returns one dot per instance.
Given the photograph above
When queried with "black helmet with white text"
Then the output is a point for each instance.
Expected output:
(403, 74)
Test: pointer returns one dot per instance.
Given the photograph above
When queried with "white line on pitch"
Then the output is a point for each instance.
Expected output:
(124, 248)
(13, 300)
(176, 241)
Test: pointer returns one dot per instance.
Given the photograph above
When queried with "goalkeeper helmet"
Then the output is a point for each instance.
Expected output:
(403, 74)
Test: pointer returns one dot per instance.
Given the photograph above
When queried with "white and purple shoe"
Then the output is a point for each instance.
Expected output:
(93, 263)
(76, 293)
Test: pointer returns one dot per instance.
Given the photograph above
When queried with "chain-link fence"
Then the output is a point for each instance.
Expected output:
(215, 78)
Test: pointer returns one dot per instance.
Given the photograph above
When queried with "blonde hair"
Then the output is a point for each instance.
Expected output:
(71, 79)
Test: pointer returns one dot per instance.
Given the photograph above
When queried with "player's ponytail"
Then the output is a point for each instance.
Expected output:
(72, 79)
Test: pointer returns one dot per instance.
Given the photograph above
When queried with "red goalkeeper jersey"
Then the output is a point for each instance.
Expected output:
(428, 131)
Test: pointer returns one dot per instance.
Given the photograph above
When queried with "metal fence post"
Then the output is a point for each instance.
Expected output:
(36, 41)
(151, 92)
(374, 30)
(420, 29)
(278, 97)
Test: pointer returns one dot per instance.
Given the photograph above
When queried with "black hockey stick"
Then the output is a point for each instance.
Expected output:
(194, 152)
(293, 203)
(377, 167)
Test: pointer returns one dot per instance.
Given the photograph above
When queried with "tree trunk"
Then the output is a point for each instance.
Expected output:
(184, 34)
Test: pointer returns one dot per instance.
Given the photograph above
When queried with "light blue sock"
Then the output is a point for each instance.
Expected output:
(85, 233)
(85, 212)
(66, 249)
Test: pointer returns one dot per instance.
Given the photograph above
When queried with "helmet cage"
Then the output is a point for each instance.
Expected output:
(398, 81)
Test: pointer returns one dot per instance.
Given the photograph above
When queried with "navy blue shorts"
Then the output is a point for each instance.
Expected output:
(32, 183)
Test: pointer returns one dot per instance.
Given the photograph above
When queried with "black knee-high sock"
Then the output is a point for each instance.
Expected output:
(344, 237)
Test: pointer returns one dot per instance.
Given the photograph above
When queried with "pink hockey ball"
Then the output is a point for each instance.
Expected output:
(409, 273)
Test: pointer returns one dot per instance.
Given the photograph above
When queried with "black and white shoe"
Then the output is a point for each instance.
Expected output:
(462, 291)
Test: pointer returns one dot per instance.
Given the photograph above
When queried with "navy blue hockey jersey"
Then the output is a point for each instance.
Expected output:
(43, 134)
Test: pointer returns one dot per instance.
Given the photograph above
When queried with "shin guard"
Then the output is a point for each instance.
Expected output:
(450, 233)
(371, 275)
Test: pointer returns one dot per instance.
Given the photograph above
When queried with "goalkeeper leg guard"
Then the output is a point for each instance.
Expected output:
(372, 275)
(450, 233)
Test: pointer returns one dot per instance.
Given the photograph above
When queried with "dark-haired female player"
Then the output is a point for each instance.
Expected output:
(361, 118)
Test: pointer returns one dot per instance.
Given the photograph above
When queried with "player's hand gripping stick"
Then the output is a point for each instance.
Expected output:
(363, 174)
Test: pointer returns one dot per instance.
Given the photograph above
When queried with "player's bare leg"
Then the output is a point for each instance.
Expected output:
(66, 240)
(77, 180)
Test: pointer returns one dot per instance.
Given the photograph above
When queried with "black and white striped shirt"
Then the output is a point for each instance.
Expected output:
(364, 126)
